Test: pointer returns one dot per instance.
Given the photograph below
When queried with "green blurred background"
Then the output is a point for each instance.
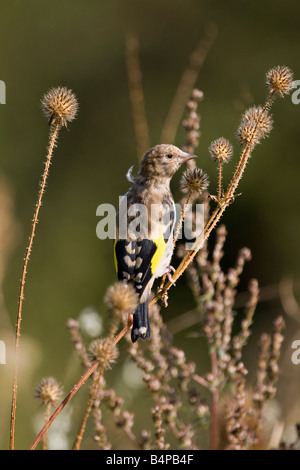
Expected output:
(81, 45)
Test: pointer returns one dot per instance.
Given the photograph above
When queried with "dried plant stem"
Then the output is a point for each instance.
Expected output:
(136, 95)
(200, 380)
(246, 153)
(88, 409)
(215, 404)
(182, 218)
(220, 180)
(124, 331)
(54, 130)
(47, 416)
(76, 387)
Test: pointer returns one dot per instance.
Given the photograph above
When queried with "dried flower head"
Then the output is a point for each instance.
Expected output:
(48, 391)
(194, 180)
(221, 150)
(261, 117)
(280, 80)
(121, 297)
(191, 124)
(249, 132)
(104, 351)
(60, 105)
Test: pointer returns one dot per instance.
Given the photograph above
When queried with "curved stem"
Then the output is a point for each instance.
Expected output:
(52, 141)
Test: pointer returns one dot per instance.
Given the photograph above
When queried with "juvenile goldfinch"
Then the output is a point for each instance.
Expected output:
(145, 226)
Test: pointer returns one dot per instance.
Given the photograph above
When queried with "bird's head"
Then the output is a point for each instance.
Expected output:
(162, 161)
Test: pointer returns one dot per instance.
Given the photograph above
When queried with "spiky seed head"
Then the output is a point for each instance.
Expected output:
(104, 351)
(221, 150)
(279, 80)
(121, 297)
(194, 180)
(48, 391)
(261, 117)
(249, 133)
(60, 105)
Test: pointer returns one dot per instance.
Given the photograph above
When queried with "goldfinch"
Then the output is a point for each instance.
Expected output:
(145, 226)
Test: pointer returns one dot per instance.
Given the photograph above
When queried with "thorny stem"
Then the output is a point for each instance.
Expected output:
(246, 154)
(76, 387)
(182, 218)
(54, 130)
(220, 181)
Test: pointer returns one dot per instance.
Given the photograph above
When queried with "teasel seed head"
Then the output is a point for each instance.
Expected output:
(60, 105)
(104, 351)
(221, 150)
(249, 132)
(261, 117)
(121, 297)
(194, 180)
(279, 80)
(48, 391)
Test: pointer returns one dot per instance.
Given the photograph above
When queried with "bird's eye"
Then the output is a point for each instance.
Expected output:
(169, 155)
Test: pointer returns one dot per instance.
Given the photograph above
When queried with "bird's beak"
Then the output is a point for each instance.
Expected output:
(185, 157)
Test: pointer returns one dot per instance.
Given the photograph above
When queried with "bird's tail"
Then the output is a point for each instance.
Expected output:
(141, 328)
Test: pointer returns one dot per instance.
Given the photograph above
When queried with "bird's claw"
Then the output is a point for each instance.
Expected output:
(168, 274)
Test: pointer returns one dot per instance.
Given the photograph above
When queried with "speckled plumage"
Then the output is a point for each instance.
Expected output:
(144, 252)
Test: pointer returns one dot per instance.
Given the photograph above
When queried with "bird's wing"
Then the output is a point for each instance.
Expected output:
(137, 261)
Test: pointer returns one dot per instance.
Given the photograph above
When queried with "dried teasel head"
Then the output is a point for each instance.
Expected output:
(48, 391)
(261, 117)
(279, 80)
(221, 150)
(121, 297)
(59, 105)
(104, 351)
(194, 180)
(249, 133)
